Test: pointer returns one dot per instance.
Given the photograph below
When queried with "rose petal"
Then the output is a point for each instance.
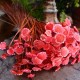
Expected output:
(49, 26)
(2, 45)
(36, 61)
(64, 51)
(42, 55)
(60, 38)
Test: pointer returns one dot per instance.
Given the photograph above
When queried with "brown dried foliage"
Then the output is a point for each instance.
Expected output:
(20, 18)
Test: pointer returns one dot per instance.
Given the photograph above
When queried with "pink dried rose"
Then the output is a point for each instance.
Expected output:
(58, 28)
(48, 33)
(57, 61)
(60, 38)
(19, 72)
(65, 61)
(19, 50)
(3, 45)
(45, 38)
(26, 70)
(66, 30)
(76, 36)
(10, 51)
(36, 69)
(38, 44)
(47, 46)
(30, 55)
(36, 61)
(31, 75)
(49, 26)
(4, 55)
(64, 51)
(25, 33)
(42, 55)
(67, 22)
(48, 66)
(24, 61)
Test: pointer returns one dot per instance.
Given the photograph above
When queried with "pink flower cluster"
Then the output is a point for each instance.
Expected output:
(58, 46)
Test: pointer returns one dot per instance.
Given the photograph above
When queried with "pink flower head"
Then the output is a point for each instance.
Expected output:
(65, 61)
(58, 28)
(25, 33)
(30, 55)
(69, 40)
(49, 26)
(24, 61)
(4, 56)
(43, 37)
(36, 69)
(76, 36)
(47, 46)
(64, 51)
(36, 61)
(26, 70)
(48, 66)
(42, 55)
(66, 30)
(31, 75)
(60, 38)
(19, 50)
(57, 61)
(48, 33)
(19, 72)
(2, 45)
(38, 44)
(17, 42)
(73, 50)
(66, 22)
(10, 51)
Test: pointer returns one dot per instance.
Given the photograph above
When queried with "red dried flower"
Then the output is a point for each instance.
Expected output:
(42, 55)
(19, 72)
(48, 33)
(19, 50)
(49, 26)
(31, 75)
(60, 38)
(2, 45)
(10, 51)
(25, 34)
(58, 28)
(64, 51)
(66, 22)
(76, 36)
(57, 61)
(38, 44)
(26, 70)
(36, 69)
(4, 55)
(36, 61)
(65, 61)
